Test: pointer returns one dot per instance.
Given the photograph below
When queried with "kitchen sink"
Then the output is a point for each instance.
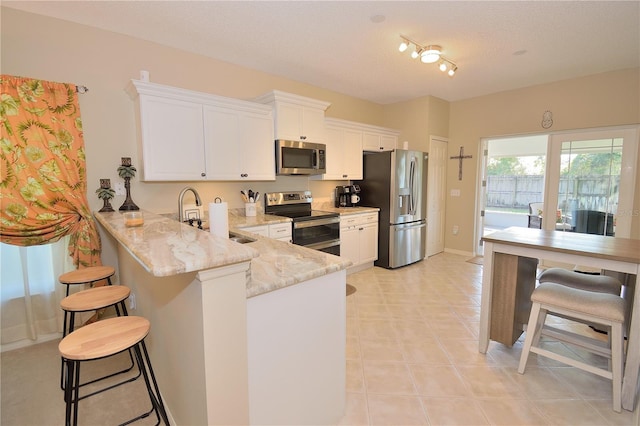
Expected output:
(241, 239)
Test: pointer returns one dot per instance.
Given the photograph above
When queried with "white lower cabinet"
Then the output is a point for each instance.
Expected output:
(359, 238)
(281, 231)
(277, 231)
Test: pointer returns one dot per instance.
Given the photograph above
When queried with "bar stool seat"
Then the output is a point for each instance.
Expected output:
(600, 308)
(87, 275)
(597, 283)
(91, 300)
(95, 298)
(103, 339)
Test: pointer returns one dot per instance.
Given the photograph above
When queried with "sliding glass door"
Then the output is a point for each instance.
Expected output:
(594, 173)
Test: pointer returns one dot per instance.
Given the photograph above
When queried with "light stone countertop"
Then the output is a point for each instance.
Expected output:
(345, 211)
(165, 247)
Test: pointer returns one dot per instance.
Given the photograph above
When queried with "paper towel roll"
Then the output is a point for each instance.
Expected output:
(219, 219)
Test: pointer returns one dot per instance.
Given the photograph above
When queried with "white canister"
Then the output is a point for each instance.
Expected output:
(249, 209)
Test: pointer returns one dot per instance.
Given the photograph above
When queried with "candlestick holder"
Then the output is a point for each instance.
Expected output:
(105, 193)
(126, 171)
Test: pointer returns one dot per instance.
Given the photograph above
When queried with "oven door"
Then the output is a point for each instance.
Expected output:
(319, 234)
(331, 247)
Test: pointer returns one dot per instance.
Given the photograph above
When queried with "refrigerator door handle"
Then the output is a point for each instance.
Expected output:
(412, 175)
(403, 227)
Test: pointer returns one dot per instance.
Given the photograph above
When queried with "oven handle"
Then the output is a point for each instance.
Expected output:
(323, 245)
(315, 222)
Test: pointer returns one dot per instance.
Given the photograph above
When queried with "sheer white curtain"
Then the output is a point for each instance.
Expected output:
(30, 293)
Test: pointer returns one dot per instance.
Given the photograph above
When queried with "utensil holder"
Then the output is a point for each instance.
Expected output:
(249, 209)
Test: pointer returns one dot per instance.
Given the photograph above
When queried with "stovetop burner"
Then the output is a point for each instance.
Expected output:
(296, 205)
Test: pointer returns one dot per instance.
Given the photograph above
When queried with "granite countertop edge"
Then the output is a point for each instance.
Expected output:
(165, 247)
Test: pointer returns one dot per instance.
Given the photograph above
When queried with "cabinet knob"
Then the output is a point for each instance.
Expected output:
(382, 147)
(303, 137)
(244, 175)
(203, 174)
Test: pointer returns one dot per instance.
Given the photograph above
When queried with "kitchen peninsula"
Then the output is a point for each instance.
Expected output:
(240, 333)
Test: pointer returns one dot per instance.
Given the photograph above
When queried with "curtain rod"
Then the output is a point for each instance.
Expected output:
(82, 89)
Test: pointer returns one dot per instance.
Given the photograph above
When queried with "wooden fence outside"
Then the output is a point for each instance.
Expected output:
(590, 192)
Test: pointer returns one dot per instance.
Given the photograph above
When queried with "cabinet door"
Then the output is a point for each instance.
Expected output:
(388, 143)
(172, 140)
(222, 133)
(378, 142)
(299, 123)
(350, 244)
(262, 230)
(288, 121)
(256, 148)
(335, 157)
(313, 125)
(239, 145)
(368, 242)
(352, 151)
(280, 231)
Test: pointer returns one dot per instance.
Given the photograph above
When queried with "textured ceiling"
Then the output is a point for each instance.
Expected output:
(338, 45)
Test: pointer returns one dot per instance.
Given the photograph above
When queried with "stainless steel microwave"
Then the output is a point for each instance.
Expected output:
(300, 158)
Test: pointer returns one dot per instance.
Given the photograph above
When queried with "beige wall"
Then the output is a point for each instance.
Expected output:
(56, 50)
(417, 120)
(609, 99)
(51, 49)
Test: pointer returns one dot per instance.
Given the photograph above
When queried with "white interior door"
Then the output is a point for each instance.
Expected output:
(436, 195)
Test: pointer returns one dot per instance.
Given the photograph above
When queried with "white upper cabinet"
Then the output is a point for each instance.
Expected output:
(173, 140)
(344, 151)
(379, 140)
(346, 142)
(187, 135)
(297, 118)
(237, 148)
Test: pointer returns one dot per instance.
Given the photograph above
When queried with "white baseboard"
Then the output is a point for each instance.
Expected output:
(460, 252)
(28, 342)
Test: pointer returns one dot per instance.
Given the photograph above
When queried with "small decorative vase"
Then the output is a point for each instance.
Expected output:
(107, 206)
(128, 202)
(105, 193)
(127, 171)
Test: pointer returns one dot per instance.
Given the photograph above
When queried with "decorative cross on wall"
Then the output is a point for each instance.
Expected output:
(460, 158)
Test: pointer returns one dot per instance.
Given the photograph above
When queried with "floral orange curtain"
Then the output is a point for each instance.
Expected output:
(43, 169)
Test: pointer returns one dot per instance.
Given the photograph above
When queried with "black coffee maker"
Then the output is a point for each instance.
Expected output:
(347, 196)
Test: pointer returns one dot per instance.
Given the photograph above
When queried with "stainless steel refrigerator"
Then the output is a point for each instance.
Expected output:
(396, 182)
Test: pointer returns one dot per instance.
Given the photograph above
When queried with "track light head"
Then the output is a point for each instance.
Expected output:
(404, 45)
(452, 71)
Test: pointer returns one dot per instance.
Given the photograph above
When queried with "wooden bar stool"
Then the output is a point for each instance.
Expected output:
(103, 339)
(600, 308)
(82, 276)
(90, 300)
(88, 275)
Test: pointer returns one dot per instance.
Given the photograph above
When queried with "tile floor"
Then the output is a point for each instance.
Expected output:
(412, 358)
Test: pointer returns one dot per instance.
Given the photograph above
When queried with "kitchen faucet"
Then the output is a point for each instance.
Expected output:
(180, 203)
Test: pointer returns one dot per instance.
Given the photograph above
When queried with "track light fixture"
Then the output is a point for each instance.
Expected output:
(428, 54)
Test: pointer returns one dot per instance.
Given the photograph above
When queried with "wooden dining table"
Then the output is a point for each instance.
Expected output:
(511, 259)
